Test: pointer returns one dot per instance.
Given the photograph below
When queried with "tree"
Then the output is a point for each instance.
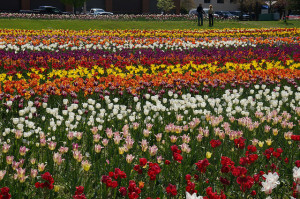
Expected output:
(250, 5)
(286, 6)
(294, 4)
(187, 4)
(75, 3)
(165, 5)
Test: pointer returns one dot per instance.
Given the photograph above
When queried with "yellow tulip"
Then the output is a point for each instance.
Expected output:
(269, 142)
(260, 144)
(208, 155)
(56, 188)
(121, 150)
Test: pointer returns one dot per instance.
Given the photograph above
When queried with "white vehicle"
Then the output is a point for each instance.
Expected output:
(99, 11)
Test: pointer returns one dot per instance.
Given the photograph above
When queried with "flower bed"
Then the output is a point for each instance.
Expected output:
(116, 17)
(140, 114)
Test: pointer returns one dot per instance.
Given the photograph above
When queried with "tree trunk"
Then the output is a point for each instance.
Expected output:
(74, 7)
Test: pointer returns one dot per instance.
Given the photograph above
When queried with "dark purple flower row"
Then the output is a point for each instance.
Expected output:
(11, 61)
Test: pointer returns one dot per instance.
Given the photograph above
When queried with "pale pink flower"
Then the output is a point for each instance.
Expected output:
(117, 139)
(23, 150)
(105, 142)
(33, 173)
(153, 150)
(146, 132)
(144, 145)
(159, 159)
(94, 130)
(109, 132)
(2, 174)
(185, 148)
(70, 135)
(43, 142)
(158, 137)
(98, 148)
(96, 137)
(173, 138)
(135, 125)
(5, 148)
(129, 158)
(52, 145)
(149, 126)
(185, 138)
(9, 159)
(79, 135)
(18, 134)
(41, 167)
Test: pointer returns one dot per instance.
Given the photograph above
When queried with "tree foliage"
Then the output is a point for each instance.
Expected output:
(251, 5)
(188, 4)
(165, 5)
(293, 4)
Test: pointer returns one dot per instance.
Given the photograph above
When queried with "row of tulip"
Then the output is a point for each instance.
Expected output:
(220, 59)
(72, 137)
(154, 140)
(116, 17)
(214, 122)
(127, 44)
(48, 35)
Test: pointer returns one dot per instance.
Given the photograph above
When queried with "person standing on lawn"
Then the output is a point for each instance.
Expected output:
(211, 15)
(200, 12)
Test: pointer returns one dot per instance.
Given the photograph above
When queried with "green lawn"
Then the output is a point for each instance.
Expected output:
(100, 24)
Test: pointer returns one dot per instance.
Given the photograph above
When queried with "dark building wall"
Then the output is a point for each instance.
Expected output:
(11, 5)
(116, 6)
(95, 4)
(153, 7)
(35, 4)
(127, 7)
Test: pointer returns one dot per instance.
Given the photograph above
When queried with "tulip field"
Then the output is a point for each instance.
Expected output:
(130, 114)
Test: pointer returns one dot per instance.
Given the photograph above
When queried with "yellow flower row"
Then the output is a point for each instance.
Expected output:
(98, 71)
(264, 32)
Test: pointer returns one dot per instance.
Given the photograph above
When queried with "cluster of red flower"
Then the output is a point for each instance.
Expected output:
(133, 190)
(108, 181)
(239, 143)
(202, 165)
(176, 153)
(190, 185)
(143, 162)
(295, 137)
(79, 193)
(213, 195)
(117, 174)
(215, 143)
(250, 158)
(4, 193)
(171, 190)
(48, 181)
(153, 170)
(270, 152)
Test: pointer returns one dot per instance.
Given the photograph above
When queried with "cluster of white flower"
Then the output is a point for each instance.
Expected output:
(138, 43)
(193, 196)
(153, 109)
(270, 183)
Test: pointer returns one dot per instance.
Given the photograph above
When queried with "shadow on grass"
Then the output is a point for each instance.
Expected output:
(287, 23)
